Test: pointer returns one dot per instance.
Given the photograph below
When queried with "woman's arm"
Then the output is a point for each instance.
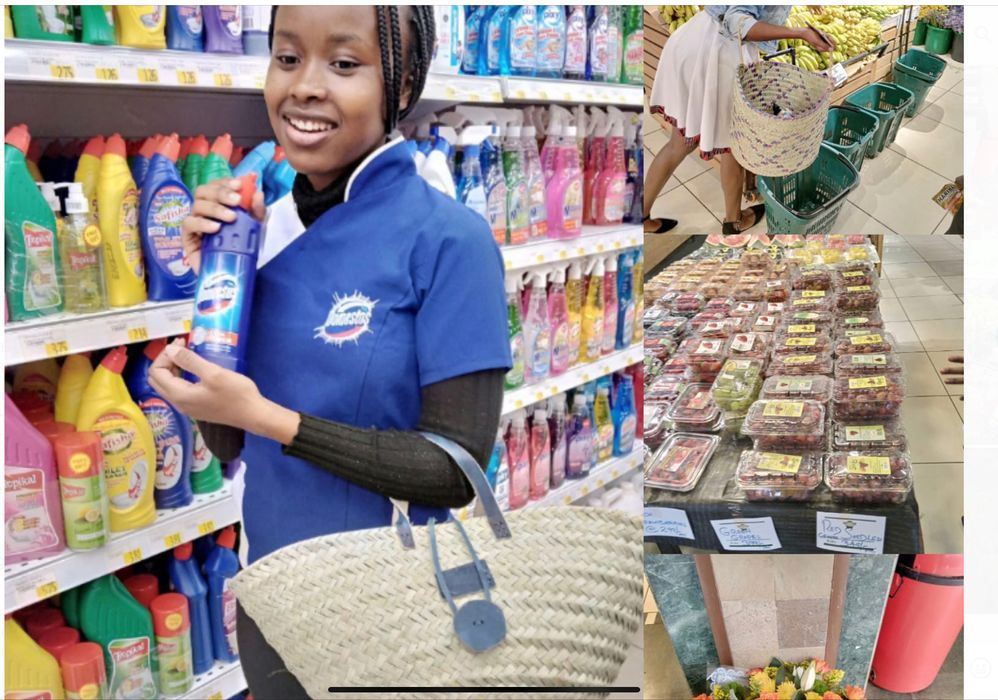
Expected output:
(743, 21)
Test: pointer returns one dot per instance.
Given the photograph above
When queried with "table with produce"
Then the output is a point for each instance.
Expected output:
(773, 391)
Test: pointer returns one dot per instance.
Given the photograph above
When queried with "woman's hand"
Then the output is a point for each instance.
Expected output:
(213, 204)
(817, 40)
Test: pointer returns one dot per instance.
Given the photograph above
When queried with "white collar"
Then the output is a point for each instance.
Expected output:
(367, 161)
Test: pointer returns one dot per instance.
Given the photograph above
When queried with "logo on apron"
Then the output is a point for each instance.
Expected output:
(348, 319)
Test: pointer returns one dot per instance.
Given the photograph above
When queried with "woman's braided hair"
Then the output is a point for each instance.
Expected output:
(422, 37)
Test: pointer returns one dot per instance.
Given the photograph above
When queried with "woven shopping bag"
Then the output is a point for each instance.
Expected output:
(778, 116)
(370, 608)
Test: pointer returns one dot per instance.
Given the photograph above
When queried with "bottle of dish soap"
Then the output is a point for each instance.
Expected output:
(141, 26)
(522, 35)
(604, 424)
(206, 470)
(550, 41)
(223, 28)
(625, 302)
(129, 446)
(184, 28)
(592, 314)
(45, 22)
(598, 58)
(82, 256)
(118, 213)
(73, 379)
(576, 42)
(185, 576)
(219, 568)
(634, 43)
(95, 24)
(28, 670)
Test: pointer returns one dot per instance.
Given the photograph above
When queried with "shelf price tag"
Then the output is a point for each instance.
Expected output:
(132, 556)
(147, 75)
(172, 540)
(35, 588)
(217, 695)
(57, 348)
(223, 80)
(206, 527)
(138, 334)
(107, 74)
(187, 77)
(62, 71)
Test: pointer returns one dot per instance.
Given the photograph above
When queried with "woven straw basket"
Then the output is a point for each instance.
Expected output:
(358, 609)
(775, 145)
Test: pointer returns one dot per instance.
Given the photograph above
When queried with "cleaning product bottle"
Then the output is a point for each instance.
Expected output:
(472, 39)
(497, 40)
(537, 214)
(32, 517)
(118, 213)
(515, 376)
(82, 256)
(591, 347)
(225, 286)
(517, 200)
(576, 43)
(39, 377)
(639, 297)
(565, 191)
(80, 460)
(579, 438)
(610, 306)
(470, 186)
(223, 28)
(163, 206)
(614, 44)
(172, 624)
(624, 420)
(256, 161)
(83, 672)
(238, 152)
(501, 481)
(625, 302)
(33, 407)
(187, 580)
(522, 37)
(537, 331)
(634, 43)
(45, 22)
(436, 170)
(28, 670)
(141, 26)
(73, 378)
(518, 448)
(95, 24)
(278, 178)
(184, 28)
(540, 454)
(192, 164)
(171, 431)
(69, 602)
(31, 252)
(51, 429)
(57, 641)
(112, 618)
(575, 295)
(635, 168)
(495, 189)
(256, 28)
(604, 424)
(44, 620)
(598, 58)
(129, 446)
(449, 23)
(560, 324)
(550, 41)
(143, 587)
(34, 155)
(557, 425)
(608, 189)
(591, 391)
(222, 564)
(206, 470)
(216, 163)
(88, 170)
(595, 162)
(557, 116)
(140, 163)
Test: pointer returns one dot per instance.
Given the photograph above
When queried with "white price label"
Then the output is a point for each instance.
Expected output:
(838, 74)
(747, 534)
(853, 533)
(667, 522)
(31, 589)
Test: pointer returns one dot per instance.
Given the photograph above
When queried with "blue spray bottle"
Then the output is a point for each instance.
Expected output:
(625, 301)
(624, 419)
(221, 566)
(551, 41)
(472, 39)
(497, 41)
(256, 161)
(598, 58)
(521, 41)
(225, 287)
(470, 184)
(495, 188)
(187, 581)
(184, 28)
(163, 205)
(171, 431)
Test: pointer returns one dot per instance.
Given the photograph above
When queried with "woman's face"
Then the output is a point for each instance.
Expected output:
(325, 90)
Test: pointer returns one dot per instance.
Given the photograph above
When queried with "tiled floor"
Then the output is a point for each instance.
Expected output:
(895, 190)
(923, 308)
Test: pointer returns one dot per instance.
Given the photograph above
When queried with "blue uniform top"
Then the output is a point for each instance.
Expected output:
(397, 288)
(736, 20)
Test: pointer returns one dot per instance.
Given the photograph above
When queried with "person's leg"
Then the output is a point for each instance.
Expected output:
(663, 166)
(732, 184)
(266, 675)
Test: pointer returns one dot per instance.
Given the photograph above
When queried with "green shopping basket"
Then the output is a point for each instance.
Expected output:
(848, 130)
(809, 201)
(887, 102)
(918, 71)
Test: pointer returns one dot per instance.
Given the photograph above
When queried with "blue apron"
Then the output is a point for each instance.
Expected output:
(397, 288)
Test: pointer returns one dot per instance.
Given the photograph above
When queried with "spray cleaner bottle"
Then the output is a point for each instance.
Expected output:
(522, 35)
(624, 419)
(579, 438)
(497, 473)
(575, 295)
(560, 323)
(436, 170)
(558, 119)
(592, 313)
(518, 448)
(625, 302)
(536, 194)
(550, 41)
(495, 189)
(515, 376)
(595, 158)
(576, 43)
(608, 189)
(82, 258)
(517, 199)
(565, 190)
(557, 424)
(470, 185)
(604, 424)
(639, 298)
(537, 330)
(598, 57)
(610, 306)
(540, 454)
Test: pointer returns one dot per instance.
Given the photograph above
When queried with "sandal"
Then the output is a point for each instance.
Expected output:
(730, 228)
(665, 226)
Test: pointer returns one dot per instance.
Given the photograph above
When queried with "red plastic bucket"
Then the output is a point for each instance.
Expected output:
(923, 617)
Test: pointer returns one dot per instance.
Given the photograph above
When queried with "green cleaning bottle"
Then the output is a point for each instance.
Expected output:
(111, 617)
(216, 164)
(206, 469)
(192, 166)
(46, 22)
(514, 377)
(31, 252)
(632, 72)
(95, 24)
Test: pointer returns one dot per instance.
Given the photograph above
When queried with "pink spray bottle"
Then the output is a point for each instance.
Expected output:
(595, 162)
(518, 450)
(540, 454)
(611, 183)
(565, 190)
(560, 325)
(557, 427)
(610, 303)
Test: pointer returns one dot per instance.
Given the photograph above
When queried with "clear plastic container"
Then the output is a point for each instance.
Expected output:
(662, 348)
(860, 252)
(848, 366)
(756, 259)
(858, 299)
(750, 345)
(804, 388)
(786, 425)
(686, 285)
(722, 304)
(784, 344)
(865, 343)
(852, 274)
(777, 290)
(766, 323)
(813, 277)
(654, 314)
(776, 308)
(653, 368)
(656, 424)
(675, 365)
(749, 290)
(737, 386)
(680, 462)
(875, 397)
(668, 327)
(820, 318)
(705, 356)
(745, 309)
(688, 304)
(665, 389)
(694, 411)
(774, 476)
(718, 286)
(868, 476)
(864, 319)
(718, 328)
(804, 364)
(886, 435)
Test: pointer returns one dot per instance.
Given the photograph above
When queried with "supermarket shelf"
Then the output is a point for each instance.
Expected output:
(573, 491)
(594, 239)
(524, 396)
(219, 682)
(29, 582)
(63, 334)
(570, 91)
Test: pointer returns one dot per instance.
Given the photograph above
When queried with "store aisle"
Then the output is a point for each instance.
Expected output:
(895, 191)
(923, 308)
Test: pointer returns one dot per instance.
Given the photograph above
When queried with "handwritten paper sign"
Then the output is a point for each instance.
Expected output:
(842, 532)
(747, 534)
(667, 522)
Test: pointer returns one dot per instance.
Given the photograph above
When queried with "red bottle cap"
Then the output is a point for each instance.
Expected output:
(170, 615)
(43, 621)
(79, 455)
(227, 538)
(53, 149)
(143, 587)
(183, 552)
(115, 145)
(23, 614)
(185, 146)
(247, 188)
(19, 137)
(95, 147)
(58, 640)
(115, 360)
(52, 429)
(83, 670)
(149, 147)
(279, 154)
(223, 147)
(238, 153)
(154, 348)
(199, 146)
(169, 147)
(132, 147)
(35, 151)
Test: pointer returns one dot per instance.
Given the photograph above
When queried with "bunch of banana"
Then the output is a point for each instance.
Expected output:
(877, 12)
(675, 16)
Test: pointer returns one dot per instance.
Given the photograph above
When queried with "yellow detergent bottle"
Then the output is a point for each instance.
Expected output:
(28, 670)
(39, 377)
(141, 26)
(73, 379)
(127, 439)
(592, 314)
(88, 170)
(118, 215)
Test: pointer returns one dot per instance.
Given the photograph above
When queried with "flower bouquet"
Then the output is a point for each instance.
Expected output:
(812, 679)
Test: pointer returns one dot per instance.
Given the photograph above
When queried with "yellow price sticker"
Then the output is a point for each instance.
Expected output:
(600, 483)
(206, 527)
(62, 71)
(132, 556)
(580, 251)
(187, 77)
(46, 590)
(172, 540)
(540, 257)
(215, 696)
(148, 75)
(57, 348)
(563, 254)
(554, 391)
(138, 334)
(540, 395)
(615, 474)
(223, 80)
(520, 94)
(108, 74)
(544, 94)
(584, 491)
(509, 263)
(187, 325)
(616, 245)
(567, 500)
(519, 403)
(474, 97)
(600, 248)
